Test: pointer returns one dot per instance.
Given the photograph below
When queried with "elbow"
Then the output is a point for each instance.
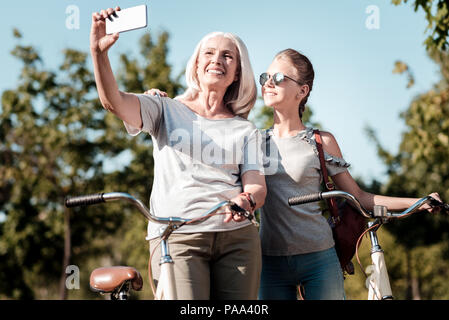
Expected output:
(107, 105)
(111, 102)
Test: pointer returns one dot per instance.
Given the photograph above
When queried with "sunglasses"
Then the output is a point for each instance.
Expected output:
(278, 78)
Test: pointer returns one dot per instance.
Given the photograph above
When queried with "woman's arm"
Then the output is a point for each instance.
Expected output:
(126, 106)
(254, 183)
(344, 181)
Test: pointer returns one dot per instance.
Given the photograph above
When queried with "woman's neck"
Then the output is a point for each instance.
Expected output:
(210, 104)
(287, 123)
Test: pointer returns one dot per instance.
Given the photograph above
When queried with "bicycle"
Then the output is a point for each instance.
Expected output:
(120, 280)
(378, 282)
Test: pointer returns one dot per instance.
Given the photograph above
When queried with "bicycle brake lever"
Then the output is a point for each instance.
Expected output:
(242, 212)
(444, 207)
(237, 208)
(435, 204)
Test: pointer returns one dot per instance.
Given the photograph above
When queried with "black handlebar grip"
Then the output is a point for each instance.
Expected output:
(446, 207)
(435, 203)
(84, 200)
(241, 211)
(312, 197)
(237, 208)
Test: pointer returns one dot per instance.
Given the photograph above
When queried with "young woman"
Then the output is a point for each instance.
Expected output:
(297, 242)
(203, 149)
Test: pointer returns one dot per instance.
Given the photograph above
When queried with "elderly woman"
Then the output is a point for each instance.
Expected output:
(205, 151)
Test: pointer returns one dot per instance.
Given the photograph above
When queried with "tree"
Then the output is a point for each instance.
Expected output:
(51, 147)
(437, 16)
(55, 139)
(419, 168)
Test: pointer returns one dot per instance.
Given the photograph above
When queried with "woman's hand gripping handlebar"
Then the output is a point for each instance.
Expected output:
(178, 221)
(379, 211)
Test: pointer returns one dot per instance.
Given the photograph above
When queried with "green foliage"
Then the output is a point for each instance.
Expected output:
(421, 165)
(153, 71)
(355, 285)
(399, 68)
(419, 168)
(437, 16)
(55, 141)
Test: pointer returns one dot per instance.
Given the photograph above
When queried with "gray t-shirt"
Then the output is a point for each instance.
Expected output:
(292, 167)
(198, 162)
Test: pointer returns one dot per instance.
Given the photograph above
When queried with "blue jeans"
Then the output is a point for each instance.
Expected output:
(319, 273)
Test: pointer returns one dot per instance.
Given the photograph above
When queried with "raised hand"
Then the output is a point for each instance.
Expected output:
(100, 42)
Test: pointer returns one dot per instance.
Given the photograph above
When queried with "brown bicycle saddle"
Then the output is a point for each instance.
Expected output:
(108, 279)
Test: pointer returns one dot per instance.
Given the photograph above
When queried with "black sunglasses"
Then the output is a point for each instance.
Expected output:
(278, 77)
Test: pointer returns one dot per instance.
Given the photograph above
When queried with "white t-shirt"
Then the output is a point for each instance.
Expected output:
(198, 162)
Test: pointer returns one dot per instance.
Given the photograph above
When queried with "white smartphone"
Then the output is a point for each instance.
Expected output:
(127, 19)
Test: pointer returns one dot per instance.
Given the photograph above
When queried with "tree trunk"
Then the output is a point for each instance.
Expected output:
(413, 291)
(408, 294)
(415, 288)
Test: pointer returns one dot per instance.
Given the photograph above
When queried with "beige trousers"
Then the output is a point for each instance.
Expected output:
(214, 265)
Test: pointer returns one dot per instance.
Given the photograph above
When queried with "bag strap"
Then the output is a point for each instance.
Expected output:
(327, 182)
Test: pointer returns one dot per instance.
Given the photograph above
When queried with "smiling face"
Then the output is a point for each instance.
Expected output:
(286, 94)
(218, 63)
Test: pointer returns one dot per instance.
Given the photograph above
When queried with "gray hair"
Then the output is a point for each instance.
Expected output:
(240, 96)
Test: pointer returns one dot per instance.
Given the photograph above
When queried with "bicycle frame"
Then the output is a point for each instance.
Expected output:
(166, 288)
(378, 282)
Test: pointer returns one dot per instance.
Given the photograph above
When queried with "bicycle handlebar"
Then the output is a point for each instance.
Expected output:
(113, 196)
(313, 197)
(84, 200)
(379, 211)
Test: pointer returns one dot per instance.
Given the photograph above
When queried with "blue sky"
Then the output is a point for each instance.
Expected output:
(354, 84)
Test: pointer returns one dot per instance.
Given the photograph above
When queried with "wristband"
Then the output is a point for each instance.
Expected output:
(250, 199)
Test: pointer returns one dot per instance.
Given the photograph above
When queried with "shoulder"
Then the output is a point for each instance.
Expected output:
(245, 121)
(148, 100)
(330, 144)
(182, 100)
(175, 107)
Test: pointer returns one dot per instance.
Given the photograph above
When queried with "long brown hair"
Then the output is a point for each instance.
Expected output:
(304, 70)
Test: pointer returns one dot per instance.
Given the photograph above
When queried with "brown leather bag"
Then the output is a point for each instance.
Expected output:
(347, 224)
